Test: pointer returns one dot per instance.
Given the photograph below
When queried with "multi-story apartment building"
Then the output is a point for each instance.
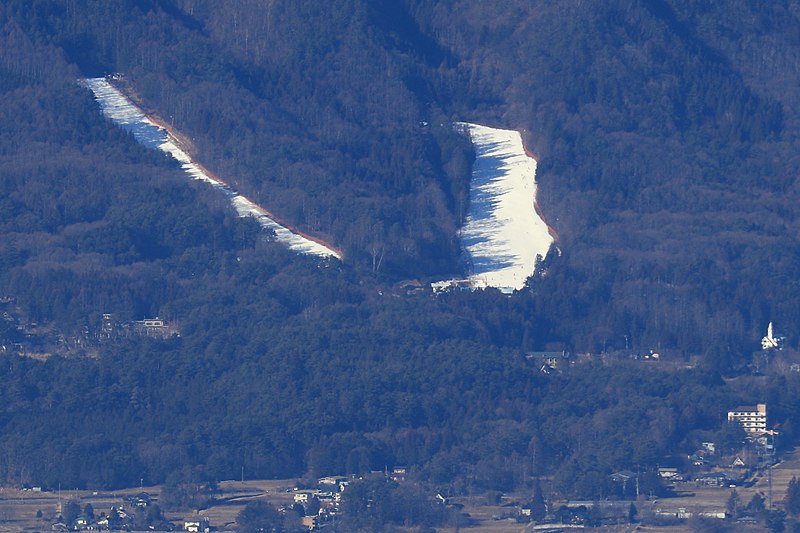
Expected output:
(752, 419)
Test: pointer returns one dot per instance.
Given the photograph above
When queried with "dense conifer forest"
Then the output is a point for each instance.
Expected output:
(667, 135)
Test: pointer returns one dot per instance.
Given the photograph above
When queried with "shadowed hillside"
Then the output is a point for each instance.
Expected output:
(666, 135)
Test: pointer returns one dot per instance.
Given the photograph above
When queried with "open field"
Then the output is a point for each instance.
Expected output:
(18, 508)
(235, 495)
(709, 499)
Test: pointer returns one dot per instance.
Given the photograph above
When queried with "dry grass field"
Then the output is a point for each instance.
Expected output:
(235, 495)
(18, 508)
(709, 499)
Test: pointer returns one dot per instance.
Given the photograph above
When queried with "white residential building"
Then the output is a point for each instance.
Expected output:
(752, 419)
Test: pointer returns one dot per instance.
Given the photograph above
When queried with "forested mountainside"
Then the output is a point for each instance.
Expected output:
(668, 160)
(666, 134)
(667, 157)
(304, 107)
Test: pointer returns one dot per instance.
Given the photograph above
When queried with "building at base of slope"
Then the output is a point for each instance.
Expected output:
(753, 419)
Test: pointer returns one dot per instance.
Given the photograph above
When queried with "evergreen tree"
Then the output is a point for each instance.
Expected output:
(776, 521)
(632, 512)
(259, 516)
(733, 504)
(538, 506)
(71, 511)
(791, 501)
(756, 505)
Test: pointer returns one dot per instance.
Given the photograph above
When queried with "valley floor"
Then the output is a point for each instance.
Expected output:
(18, 508)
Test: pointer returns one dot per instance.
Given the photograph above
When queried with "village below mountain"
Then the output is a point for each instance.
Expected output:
(21, 336)
(746, 484)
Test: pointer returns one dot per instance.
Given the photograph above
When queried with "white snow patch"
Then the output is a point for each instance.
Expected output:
(116, 106)
(503, 234)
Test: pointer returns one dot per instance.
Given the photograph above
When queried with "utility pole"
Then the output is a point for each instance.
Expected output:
(769, 484)
(771, 458)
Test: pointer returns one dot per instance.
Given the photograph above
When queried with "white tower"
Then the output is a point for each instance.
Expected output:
(769, 342)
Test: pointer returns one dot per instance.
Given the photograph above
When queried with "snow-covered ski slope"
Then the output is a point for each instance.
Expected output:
(503, 234)
(116, 106)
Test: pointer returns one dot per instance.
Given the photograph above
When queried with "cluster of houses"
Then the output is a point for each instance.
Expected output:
(124, 518)
(119, 518)
(29, 339)
(15, 334)
(156, 327)
(706, 467)
(732, 469)
(556, 361)
(321, 505)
